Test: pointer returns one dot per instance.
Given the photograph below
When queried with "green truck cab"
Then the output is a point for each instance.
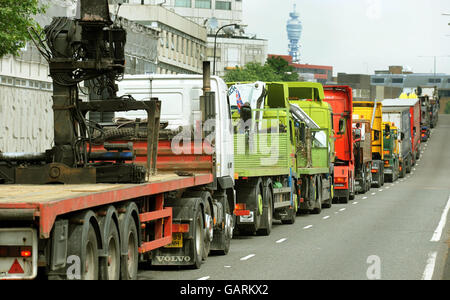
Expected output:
(391, 152)
(276, 154)
(315, 154)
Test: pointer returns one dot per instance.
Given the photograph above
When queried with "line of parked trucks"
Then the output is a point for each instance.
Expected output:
(231, 158)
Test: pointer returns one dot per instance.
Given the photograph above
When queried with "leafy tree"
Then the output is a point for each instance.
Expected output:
(15, 18)
(252, 72)
(283, 69)
(275, 69)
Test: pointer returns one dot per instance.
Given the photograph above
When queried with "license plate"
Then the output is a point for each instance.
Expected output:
(247, 219)
(177, 241)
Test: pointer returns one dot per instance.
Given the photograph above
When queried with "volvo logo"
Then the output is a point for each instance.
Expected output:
(173, 258)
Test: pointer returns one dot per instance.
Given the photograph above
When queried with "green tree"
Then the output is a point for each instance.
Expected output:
(275, 69)
(282, 68)
(16, 16)
(252, 72)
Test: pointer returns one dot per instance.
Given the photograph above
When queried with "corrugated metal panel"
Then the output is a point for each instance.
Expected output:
(262, 163)
(26, 120)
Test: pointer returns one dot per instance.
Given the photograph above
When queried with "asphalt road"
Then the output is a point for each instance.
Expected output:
(398, 232)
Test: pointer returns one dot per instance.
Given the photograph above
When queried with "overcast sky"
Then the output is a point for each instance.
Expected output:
(356, 36)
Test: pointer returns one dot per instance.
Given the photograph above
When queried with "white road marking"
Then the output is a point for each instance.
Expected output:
(373, 194)
(342, 209)
(429, 269)
(380, 190)
(248, 257)
(227, 266)
(364, 198)
(438, 232)
(354, 203)
(204, 278)
(326, 217)
(387, 187)
(281, 240)
(308, 227)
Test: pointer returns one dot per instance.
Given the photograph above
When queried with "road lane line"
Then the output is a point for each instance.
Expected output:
(438, 232)
(281, 240)
(326, 217)
(247, 257)
(364, 198)
(354, 203)
(429, 269)
(380, 190)
(204, 278)
(342, 209)
(308, 227)
(373, 194)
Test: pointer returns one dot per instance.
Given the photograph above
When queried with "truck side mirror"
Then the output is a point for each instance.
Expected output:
(341, 126)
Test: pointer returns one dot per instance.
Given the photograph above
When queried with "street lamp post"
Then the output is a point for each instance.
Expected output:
(236, 26)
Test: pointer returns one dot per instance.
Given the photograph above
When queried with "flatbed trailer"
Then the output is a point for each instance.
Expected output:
(39, 211)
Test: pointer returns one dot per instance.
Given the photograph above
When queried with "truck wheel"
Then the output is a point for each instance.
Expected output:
(224, 232)
(112, 247)
(402, 171)
(408, 166)
(318, 209)
(267, 215)
(388, 178)
(198, 240)
(346, 198)
(352, 192)
(89, 263)
(208, 236)
(130, 240)
(291, 212)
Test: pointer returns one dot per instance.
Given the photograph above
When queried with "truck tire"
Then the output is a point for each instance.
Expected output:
(352, 193)
(291, 212)
(223, 233)
(89, 264)
(130, 241)
(208, 236)
(318, 209)
(198, 240)
(346, 198)
(408, 166)
(267, 214)
(388, 177)
(402, 171)
(110, 260)
(84, 244)
(112, 248)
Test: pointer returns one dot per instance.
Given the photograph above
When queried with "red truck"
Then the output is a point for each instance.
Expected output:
(341, 100)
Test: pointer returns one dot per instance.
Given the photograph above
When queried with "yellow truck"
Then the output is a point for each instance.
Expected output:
(372, 111)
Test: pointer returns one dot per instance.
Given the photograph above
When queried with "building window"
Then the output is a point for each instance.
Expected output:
(203, 4)
(183, 3)
(434, 80)
(377, 80)
(224, 5)
(397, 80)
